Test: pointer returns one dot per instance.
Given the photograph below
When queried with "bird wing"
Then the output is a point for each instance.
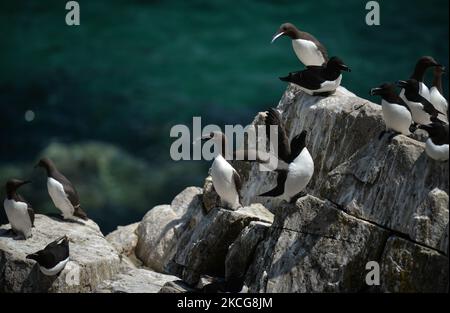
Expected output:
(279, 188)
(283, 150)
(69, 189)
(321, 47)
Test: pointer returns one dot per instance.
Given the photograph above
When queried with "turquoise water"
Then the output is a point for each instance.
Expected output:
(133, 69)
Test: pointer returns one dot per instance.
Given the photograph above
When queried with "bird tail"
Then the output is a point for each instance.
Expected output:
(275, 192)
(80, 213)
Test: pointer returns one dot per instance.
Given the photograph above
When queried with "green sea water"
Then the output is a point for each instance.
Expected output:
(133, 69)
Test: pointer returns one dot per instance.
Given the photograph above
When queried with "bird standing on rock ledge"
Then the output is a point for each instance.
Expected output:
(307, 48)
(319, 80)
(226, 180)
(62, 192)
(20, 214)
(291, 181)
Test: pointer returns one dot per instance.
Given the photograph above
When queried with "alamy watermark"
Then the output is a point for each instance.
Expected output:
(235, 142)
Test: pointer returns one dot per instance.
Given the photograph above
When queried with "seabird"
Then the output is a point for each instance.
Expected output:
(53, 258)
(396, 114)
(226, 180)
(436, 94)
(307, 48)
(62, 192)
(436, 146)
(291, 181)
(19, 212)
(422, 110)
(422, 65)
(319, 80)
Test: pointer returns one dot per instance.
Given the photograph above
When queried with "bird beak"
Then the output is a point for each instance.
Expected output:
(25, 182)
(276, 36)
(374, 91)
(401, 83)
(345, 68)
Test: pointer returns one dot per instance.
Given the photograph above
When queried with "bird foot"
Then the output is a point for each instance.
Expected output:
(391, 136)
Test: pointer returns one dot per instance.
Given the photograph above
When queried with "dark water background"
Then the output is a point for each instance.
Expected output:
(106, 93)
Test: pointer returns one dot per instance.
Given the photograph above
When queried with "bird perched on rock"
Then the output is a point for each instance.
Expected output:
(422, 65)
(293, 180)
(307, 48)
(19, 212)
(436, 94)
(422, 109)
(396, 114)
(319, 80)
(63, 193)
(53, 258)
(436, 146)
(226, 180)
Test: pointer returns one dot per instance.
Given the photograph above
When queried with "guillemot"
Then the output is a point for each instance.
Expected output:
(63, 193)
(422, 65)
(225, 178)
(422, 110)
(307, 48)
(53, 258)
(319, 80)
(396, 114)
(436, 146)
(436, 93)
(19, 212)
(291, 181)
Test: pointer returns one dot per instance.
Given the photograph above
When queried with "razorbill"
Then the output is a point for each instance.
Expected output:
(63, 193)
(422, 110)
(19, 212)
(436, 146)
(422, 65)
(396, 114)
(436, 94)
(319, 80)
(53, 258)
(291, 181)
(307, 48)
(225, 178)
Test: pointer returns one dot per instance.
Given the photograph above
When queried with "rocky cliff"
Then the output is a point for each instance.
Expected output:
(370, 202)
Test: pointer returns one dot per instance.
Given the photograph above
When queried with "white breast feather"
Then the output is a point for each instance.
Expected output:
(300, 172)
(436, 152)
(59, 197)
(396, 117)
(18, 217)
(222, 177)
(307, 52)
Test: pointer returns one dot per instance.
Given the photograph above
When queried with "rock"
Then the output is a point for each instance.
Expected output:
(136, 281)
(408, 267)
(124, 240)
(241, 252)
(203, 250)
(176, 287)
(313, 246)
(161, 228)
(92, 258)
(396, 186)
(211, 199)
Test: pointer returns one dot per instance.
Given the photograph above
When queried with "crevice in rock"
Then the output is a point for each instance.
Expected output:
(390, 230)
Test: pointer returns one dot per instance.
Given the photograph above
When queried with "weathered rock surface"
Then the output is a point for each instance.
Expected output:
(408, 267)
(204, 249)
(314, 247)
(92, 258)
(161, 228)
(136, 281)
